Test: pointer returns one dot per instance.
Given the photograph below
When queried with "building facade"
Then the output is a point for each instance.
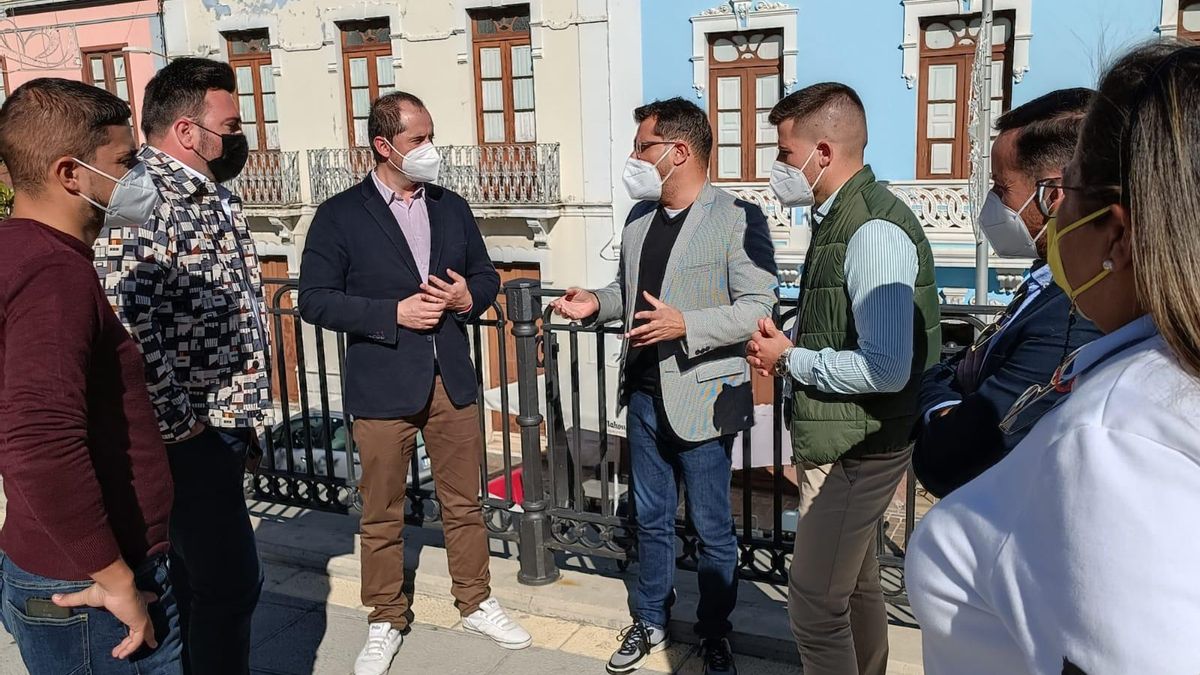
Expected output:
(911, 62)
(532, 106)
(117, 45)
(524, 100)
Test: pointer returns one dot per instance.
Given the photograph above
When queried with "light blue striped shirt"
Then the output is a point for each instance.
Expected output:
(881, 272)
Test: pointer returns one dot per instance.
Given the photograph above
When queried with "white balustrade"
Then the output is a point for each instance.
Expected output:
(941, 206)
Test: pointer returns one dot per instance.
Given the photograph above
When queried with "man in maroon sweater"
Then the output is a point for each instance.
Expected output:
(83, 571)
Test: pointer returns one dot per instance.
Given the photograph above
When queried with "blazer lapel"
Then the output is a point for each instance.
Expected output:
(387, 222)
(695, 218)
(437, 234)
(636, 232)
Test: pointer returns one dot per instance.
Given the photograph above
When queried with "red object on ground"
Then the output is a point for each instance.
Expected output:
(497, 488)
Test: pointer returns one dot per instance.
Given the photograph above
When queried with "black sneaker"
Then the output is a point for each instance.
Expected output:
(638, 642)
(718, 660)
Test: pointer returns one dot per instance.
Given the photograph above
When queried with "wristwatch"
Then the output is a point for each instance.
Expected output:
(781, 365)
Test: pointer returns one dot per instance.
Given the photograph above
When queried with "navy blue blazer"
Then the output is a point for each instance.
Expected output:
(956, 447)
(357, 266)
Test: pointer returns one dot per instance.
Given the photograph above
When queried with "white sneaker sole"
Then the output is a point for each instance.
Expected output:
(640, 662)
(507, 645)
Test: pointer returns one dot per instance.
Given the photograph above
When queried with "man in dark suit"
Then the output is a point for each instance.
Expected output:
(398, 264)
(964, 399)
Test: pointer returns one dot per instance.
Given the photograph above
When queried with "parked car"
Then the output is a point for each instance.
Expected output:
(292, 437)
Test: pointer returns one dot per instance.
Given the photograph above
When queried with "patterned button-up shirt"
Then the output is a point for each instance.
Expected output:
(188, 287)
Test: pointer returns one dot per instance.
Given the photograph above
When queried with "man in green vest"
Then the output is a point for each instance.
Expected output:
(867, 328)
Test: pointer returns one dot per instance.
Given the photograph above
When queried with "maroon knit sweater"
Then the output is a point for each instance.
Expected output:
(83, 465)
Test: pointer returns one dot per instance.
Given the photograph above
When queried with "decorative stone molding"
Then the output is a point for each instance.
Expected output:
(744, 15)
(1169, 25)
(541, 232)
(915, 10)
(537, 25)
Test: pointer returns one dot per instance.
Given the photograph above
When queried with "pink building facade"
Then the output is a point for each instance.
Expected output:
(117, 45)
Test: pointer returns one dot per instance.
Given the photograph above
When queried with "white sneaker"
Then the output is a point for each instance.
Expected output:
(376, 656)
(491, 620)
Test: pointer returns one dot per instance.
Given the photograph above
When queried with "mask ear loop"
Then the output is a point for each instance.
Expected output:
(107, 210)
(673, 166)
(819, 175)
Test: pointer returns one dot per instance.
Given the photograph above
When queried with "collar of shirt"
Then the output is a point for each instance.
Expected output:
(186, 179)
(389, 195)
(1042, 276)
(1104, 347)
(821, 211)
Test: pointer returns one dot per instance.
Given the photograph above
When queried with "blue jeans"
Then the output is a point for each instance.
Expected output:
(659, 460)
(83, 642)
(214, 560)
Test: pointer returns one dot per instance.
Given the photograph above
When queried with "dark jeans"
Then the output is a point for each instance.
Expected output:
(659, 460)
(214, 561)
(83, 642)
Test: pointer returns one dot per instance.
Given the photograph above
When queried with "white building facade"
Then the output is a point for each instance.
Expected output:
(532, 106)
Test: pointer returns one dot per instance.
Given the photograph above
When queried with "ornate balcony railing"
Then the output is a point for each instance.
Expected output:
(271, 178)
(485, 175)
(941, 206)
(761, 195)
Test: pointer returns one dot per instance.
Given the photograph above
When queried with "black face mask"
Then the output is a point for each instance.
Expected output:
(235, 150)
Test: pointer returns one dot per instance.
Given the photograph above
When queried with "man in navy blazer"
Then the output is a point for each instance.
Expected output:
(964, 399)
(398, 264)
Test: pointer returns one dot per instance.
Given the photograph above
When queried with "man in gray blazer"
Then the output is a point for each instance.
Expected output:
(697, 272)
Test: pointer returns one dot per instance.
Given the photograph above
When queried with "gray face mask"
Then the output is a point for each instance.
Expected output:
(132, 202)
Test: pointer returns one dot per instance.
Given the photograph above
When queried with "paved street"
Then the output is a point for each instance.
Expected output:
(299, 637)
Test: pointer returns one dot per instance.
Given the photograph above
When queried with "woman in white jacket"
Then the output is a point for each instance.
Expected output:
(1078, 552)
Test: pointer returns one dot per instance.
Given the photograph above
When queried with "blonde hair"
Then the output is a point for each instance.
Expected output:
(1143, 134)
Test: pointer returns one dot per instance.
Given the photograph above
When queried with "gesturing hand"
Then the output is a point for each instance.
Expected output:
(765, 347)
(577, 304)
(126, 603)
(456, 295)
(420, 312)
(663, 323)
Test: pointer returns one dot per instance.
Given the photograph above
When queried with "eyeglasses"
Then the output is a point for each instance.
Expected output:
(1034, 394)
(1049, 190)
(639, 148)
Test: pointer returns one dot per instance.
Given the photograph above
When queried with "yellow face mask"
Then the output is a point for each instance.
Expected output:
(1054, 237)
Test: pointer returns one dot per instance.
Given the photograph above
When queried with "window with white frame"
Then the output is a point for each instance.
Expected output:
(250, 58)
(1189, 21)
(504, 75)
(369, 72)
(745, 82)
(947, 58)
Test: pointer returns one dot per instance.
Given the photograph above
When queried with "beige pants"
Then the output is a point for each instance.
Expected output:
(835, 602)
(386, 446)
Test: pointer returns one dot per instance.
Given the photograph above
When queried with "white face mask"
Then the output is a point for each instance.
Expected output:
(642, 180)
(1005, 229)
(791, 185)
(421, 165)
(133, 200)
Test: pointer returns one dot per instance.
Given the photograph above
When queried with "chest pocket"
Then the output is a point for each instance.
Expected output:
(702, 283)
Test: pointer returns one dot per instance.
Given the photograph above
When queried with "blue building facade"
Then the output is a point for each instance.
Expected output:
(910, 61)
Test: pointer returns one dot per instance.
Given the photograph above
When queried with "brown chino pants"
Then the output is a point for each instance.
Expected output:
(835, 601)
(386, 446)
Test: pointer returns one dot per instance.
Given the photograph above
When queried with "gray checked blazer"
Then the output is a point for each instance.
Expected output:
(722, 276)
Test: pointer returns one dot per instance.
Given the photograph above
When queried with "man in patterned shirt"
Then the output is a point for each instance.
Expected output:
(187, 285)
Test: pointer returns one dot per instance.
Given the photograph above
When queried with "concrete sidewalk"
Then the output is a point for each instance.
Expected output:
(310, 620)
(297, 637)
(315, 556)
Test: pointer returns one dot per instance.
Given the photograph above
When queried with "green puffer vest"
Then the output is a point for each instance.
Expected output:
(826, 427)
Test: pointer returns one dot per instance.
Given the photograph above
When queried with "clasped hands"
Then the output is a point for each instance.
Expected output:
(423, 311)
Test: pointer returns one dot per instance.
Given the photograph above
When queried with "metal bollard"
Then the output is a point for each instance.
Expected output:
(537, 560)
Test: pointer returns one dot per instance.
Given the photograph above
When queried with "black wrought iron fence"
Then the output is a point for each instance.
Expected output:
(566, 487)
